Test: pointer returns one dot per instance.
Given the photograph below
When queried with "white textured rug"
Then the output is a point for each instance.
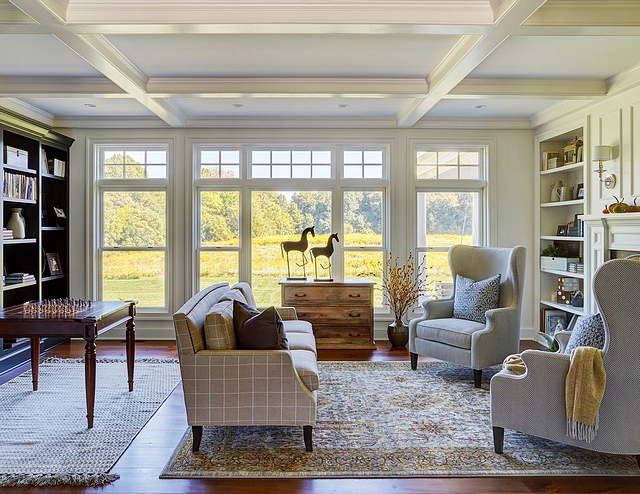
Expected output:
(44, 438)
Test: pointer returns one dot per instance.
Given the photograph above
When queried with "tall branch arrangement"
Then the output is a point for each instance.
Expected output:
(402, 284)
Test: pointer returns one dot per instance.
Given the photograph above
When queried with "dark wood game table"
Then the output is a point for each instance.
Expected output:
(86, 323)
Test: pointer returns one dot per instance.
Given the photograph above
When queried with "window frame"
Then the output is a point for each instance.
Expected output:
(100, 185)
(437, 185)
(247, 184)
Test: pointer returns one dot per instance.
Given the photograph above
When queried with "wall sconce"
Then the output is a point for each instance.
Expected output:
(600, 154)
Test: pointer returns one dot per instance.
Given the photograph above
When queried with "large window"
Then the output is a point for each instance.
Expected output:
(450, 192)
(280, 191)
(132, 217)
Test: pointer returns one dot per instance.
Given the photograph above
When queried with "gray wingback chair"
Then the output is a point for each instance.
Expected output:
(540, 390)
(476, 345)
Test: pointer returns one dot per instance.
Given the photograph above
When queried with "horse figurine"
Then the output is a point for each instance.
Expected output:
(325, 251)
(298, 245)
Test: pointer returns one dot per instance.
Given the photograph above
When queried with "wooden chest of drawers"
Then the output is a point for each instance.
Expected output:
(341, 312)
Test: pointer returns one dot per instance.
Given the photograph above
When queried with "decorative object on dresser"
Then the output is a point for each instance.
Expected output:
(341, 312)
(326, 251)
(300, 246)
(402, 286)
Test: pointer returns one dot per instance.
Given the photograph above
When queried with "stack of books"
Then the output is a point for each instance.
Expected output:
(7, 234)
(575, 267)
(14, 278)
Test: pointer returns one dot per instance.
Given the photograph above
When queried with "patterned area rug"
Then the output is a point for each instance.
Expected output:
(44, 438)
(381, 419)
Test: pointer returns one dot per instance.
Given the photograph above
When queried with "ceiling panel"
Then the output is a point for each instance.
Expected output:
(30, 55)
(68, 107)
(548, 57)
(294, 107)
(489, 108)
(296, 55)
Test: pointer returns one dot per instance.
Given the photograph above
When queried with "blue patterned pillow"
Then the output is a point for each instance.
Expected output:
(474, 298)
(589, 331)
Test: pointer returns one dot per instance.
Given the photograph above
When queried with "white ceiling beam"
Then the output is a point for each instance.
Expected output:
(267, 11)
(286, 87)
(162, 88)
(51, 87)
(587, 13)
(103, 56)
(529, 89)
(464, 57)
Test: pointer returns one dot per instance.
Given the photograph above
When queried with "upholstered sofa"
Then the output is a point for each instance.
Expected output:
(227, 386)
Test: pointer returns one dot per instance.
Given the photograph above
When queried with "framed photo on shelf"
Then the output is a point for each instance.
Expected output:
(580, 191)
(550, 160)
(562, 230)
(554, 320)
(54, 264)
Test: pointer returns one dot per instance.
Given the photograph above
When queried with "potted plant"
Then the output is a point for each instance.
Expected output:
(554, 257)
(402, 285)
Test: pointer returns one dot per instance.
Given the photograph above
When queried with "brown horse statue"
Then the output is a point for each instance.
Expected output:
(298, 245)
(325, 251)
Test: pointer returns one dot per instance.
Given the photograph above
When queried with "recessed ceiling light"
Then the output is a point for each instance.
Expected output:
(481, 106)
(237, 105)
(89, 105)
(343, 105)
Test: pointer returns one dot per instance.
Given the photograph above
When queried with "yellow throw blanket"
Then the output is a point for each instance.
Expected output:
(584, 389)
(515, 364)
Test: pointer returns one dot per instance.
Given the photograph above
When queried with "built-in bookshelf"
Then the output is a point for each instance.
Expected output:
(35, 188)
(561, 184)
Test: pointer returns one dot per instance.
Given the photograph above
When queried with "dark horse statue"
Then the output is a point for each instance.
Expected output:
(298, 245)
(325, 251)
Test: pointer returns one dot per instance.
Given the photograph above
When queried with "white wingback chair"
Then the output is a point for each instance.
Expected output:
(476, 345)
(540, 390)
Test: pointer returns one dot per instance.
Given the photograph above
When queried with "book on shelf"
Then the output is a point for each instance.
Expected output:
(17, 186)
(575, 267)
(57, 167)
(7, 234)
(13, 278)
(44, 162)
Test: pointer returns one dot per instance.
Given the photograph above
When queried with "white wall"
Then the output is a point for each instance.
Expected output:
(511, 198)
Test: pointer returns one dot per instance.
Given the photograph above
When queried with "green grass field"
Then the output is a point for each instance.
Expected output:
(138, 275)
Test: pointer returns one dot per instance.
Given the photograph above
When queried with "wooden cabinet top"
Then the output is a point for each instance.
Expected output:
(343, 282)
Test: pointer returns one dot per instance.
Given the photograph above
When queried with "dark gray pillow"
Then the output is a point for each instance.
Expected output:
(589, 331)
(474, 298)
(257, 330)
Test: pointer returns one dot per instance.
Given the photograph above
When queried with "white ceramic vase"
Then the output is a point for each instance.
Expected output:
(16, 223)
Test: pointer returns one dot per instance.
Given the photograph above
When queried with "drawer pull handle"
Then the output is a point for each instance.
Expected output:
(351, 334)
(297, 295)
(354, 296)
(354, 315)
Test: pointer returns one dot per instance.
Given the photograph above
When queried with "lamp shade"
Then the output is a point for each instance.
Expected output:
(601, 153)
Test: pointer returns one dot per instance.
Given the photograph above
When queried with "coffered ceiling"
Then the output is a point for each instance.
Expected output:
(378, 63)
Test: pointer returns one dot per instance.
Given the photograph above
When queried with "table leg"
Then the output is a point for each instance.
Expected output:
(131, 350)
(90, 377)
(35, 361)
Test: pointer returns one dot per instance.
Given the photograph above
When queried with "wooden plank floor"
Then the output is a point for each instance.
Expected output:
(145, 458)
